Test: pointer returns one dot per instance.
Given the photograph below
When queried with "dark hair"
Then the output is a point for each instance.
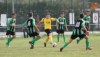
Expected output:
(88, 11)
(81, 15)
(62, 13)
(30, 14)
(47, 13)
(13, 14)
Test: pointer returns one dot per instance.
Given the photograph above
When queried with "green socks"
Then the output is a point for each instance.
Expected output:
(35, 39)
(65, 45)
(87, 44)
(64, 37)
(8, 41)
(58, 38)
(80, 39)
(11, 39)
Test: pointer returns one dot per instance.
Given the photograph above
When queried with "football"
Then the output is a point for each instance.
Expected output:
(54, 44)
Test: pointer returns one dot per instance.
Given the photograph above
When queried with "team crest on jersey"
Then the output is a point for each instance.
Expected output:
(61, 21)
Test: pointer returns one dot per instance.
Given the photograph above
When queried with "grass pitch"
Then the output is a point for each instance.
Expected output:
(20, 48)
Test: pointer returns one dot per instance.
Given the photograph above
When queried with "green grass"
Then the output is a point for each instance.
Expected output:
(20, 48)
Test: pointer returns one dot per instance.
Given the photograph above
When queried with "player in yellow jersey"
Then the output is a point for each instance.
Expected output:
(47, 27)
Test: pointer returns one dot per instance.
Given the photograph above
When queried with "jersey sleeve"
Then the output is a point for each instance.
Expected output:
(57, 22)
(9, 21)
(33, 22)
(25, 24)
(65, 23)
(89, 19)
(53, 19)
(84, 17)
(42, 20)
(83, 23)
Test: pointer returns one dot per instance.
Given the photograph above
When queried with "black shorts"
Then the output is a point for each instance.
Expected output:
(60, 31)
(10, 33)
(48, 31)
(75, 36)
(33, 34)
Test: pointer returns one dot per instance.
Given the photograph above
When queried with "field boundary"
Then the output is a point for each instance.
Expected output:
(20, 34)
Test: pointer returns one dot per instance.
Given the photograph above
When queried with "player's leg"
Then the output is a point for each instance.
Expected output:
(13, 36)
(8, 33)
(8, 40)
(58, 37)
(47, 39)
(36, 37)
(87, 43)
(78, 40)
(66, 44)
(70, 40)
(32, 41)
(63, 35)
(49, 36)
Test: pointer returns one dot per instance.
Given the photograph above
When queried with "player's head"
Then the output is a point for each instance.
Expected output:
(81, 15)
(13, 15)
(30, 14)
(88, 12)
(47, 15)
(62, 14)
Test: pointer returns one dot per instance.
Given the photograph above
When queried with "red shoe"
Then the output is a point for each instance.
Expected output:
(61, 49)
(89, 48)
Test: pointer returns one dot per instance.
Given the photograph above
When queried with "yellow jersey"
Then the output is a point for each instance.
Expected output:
(47, 22)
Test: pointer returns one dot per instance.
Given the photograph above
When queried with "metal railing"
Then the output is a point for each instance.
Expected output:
(94, 27)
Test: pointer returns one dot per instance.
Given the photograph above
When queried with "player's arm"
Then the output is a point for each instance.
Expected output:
(38, 24)
(65, 23)
(89, 24)
(56, 25)
(86, 32)
(83, 27)
(37, 28)
(37, 19)
(53, 19)
(35, 25)
(9, 22)
(24, 25)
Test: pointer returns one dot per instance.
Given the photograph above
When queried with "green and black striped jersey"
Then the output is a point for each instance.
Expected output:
(87, 20)
(78, 27)
(11, 21)
(30, 23)
(61, 23)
